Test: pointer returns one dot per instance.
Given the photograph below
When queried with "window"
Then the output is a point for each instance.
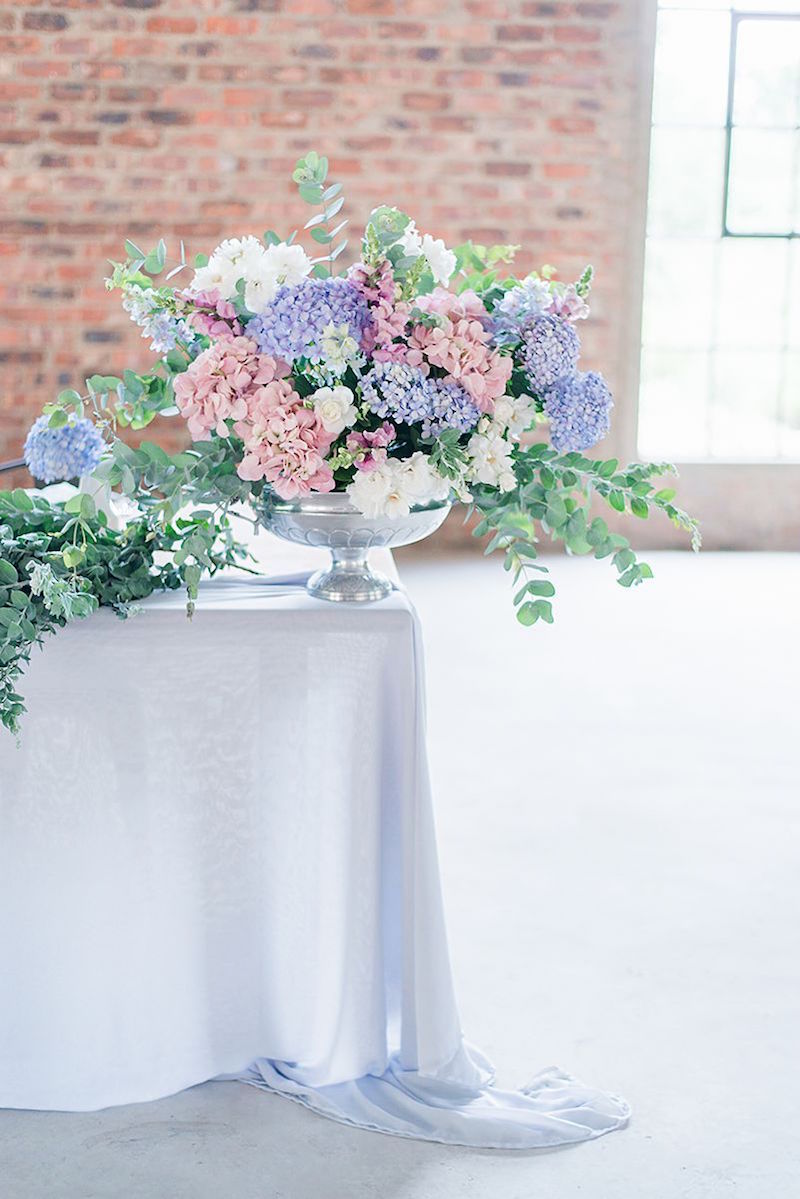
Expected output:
(720, 370)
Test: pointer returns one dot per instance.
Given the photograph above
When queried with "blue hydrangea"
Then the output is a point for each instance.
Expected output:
(52, 455)
(406, 395)
(549, 351)
(144, 308)
(518, 306)
(293, 325)
(579, 408)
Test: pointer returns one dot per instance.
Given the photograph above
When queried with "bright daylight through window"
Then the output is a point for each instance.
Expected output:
(721, 323)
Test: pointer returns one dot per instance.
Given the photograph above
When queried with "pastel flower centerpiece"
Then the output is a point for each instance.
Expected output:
(418, 376)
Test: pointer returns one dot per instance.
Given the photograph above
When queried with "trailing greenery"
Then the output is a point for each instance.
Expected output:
(555, 491)
(61, 562)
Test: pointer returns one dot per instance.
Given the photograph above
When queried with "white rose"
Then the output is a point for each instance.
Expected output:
(441, 260)
(421, 481)
(335, 408)
(370, 490)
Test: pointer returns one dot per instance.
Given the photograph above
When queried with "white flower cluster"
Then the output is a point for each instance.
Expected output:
(441, 260)
(489, 448)
(396, 485)
(263, 268)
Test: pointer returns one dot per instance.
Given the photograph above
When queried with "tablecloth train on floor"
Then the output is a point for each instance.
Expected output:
(430, 1084)
(217, 858)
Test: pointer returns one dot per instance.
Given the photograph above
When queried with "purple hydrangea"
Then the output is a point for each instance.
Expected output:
(293, 325)
(52, 455)
(518, 306)
(549, 351)
(406, 395)
(578, 407)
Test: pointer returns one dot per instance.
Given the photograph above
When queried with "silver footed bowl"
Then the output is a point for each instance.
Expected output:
(331, 522)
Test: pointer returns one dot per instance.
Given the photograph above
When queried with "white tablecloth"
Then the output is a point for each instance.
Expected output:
(217, 857)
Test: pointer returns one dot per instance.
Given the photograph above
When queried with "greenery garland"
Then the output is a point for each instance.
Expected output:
(61, 562)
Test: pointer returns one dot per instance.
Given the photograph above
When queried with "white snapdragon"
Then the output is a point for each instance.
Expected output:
(514, 414)
(335, 408)
(490, 459)
(411, 241)
(397, 485)
(339, 347)
(441, 260)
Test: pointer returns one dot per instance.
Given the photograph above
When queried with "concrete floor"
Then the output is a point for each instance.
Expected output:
(635, 921)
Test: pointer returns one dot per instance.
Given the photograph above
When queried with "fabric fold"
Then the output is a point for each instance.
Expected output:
(552, 1109)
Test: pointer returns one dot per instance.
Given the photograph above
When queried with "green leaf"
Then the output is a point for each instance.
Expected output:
(608, 468)
(58, 419)
(21, 500)
(73, 555)
(8, 573)
(321, 236)
(541, 588)
(640, 508)
(310, 192)
(665, 495)
(528, 614)
(69, 396)
(617, 500)
(132, 250)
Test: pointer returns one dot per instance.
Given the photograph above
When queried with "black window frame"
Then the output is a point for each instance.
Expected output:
(736, 19)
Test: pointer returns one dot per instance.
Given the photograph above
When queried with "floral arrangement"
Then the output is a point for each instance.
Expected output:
(412, 377)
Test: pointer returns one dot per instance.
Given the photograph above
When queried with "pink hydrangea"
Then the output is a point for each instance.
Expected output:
(285, 443)
(389, 316)
(459, 345)
(466, 304)
(209, 314)
(370, 448)
(221, 384)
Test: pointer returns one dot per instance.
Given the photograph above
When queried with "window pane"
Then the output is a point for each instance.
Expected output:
(751, 302)
(788, 6)
(760, 181)
(686, 168)
(745, 404)
(767, 72)
(793, 304)
(695, 4)
(678, 293)
(672, 410)
(691, 68)
(790, 408)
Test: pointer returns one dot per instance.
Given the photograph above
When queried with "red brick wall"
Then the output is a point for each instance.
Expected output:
(503, 120)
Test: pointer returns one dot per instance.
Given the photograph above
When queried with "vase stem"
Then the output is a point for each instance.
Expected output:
(349, 578)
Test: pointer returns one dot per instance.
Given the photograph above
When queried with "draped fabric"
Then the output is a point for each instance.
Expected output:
(217, 858)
